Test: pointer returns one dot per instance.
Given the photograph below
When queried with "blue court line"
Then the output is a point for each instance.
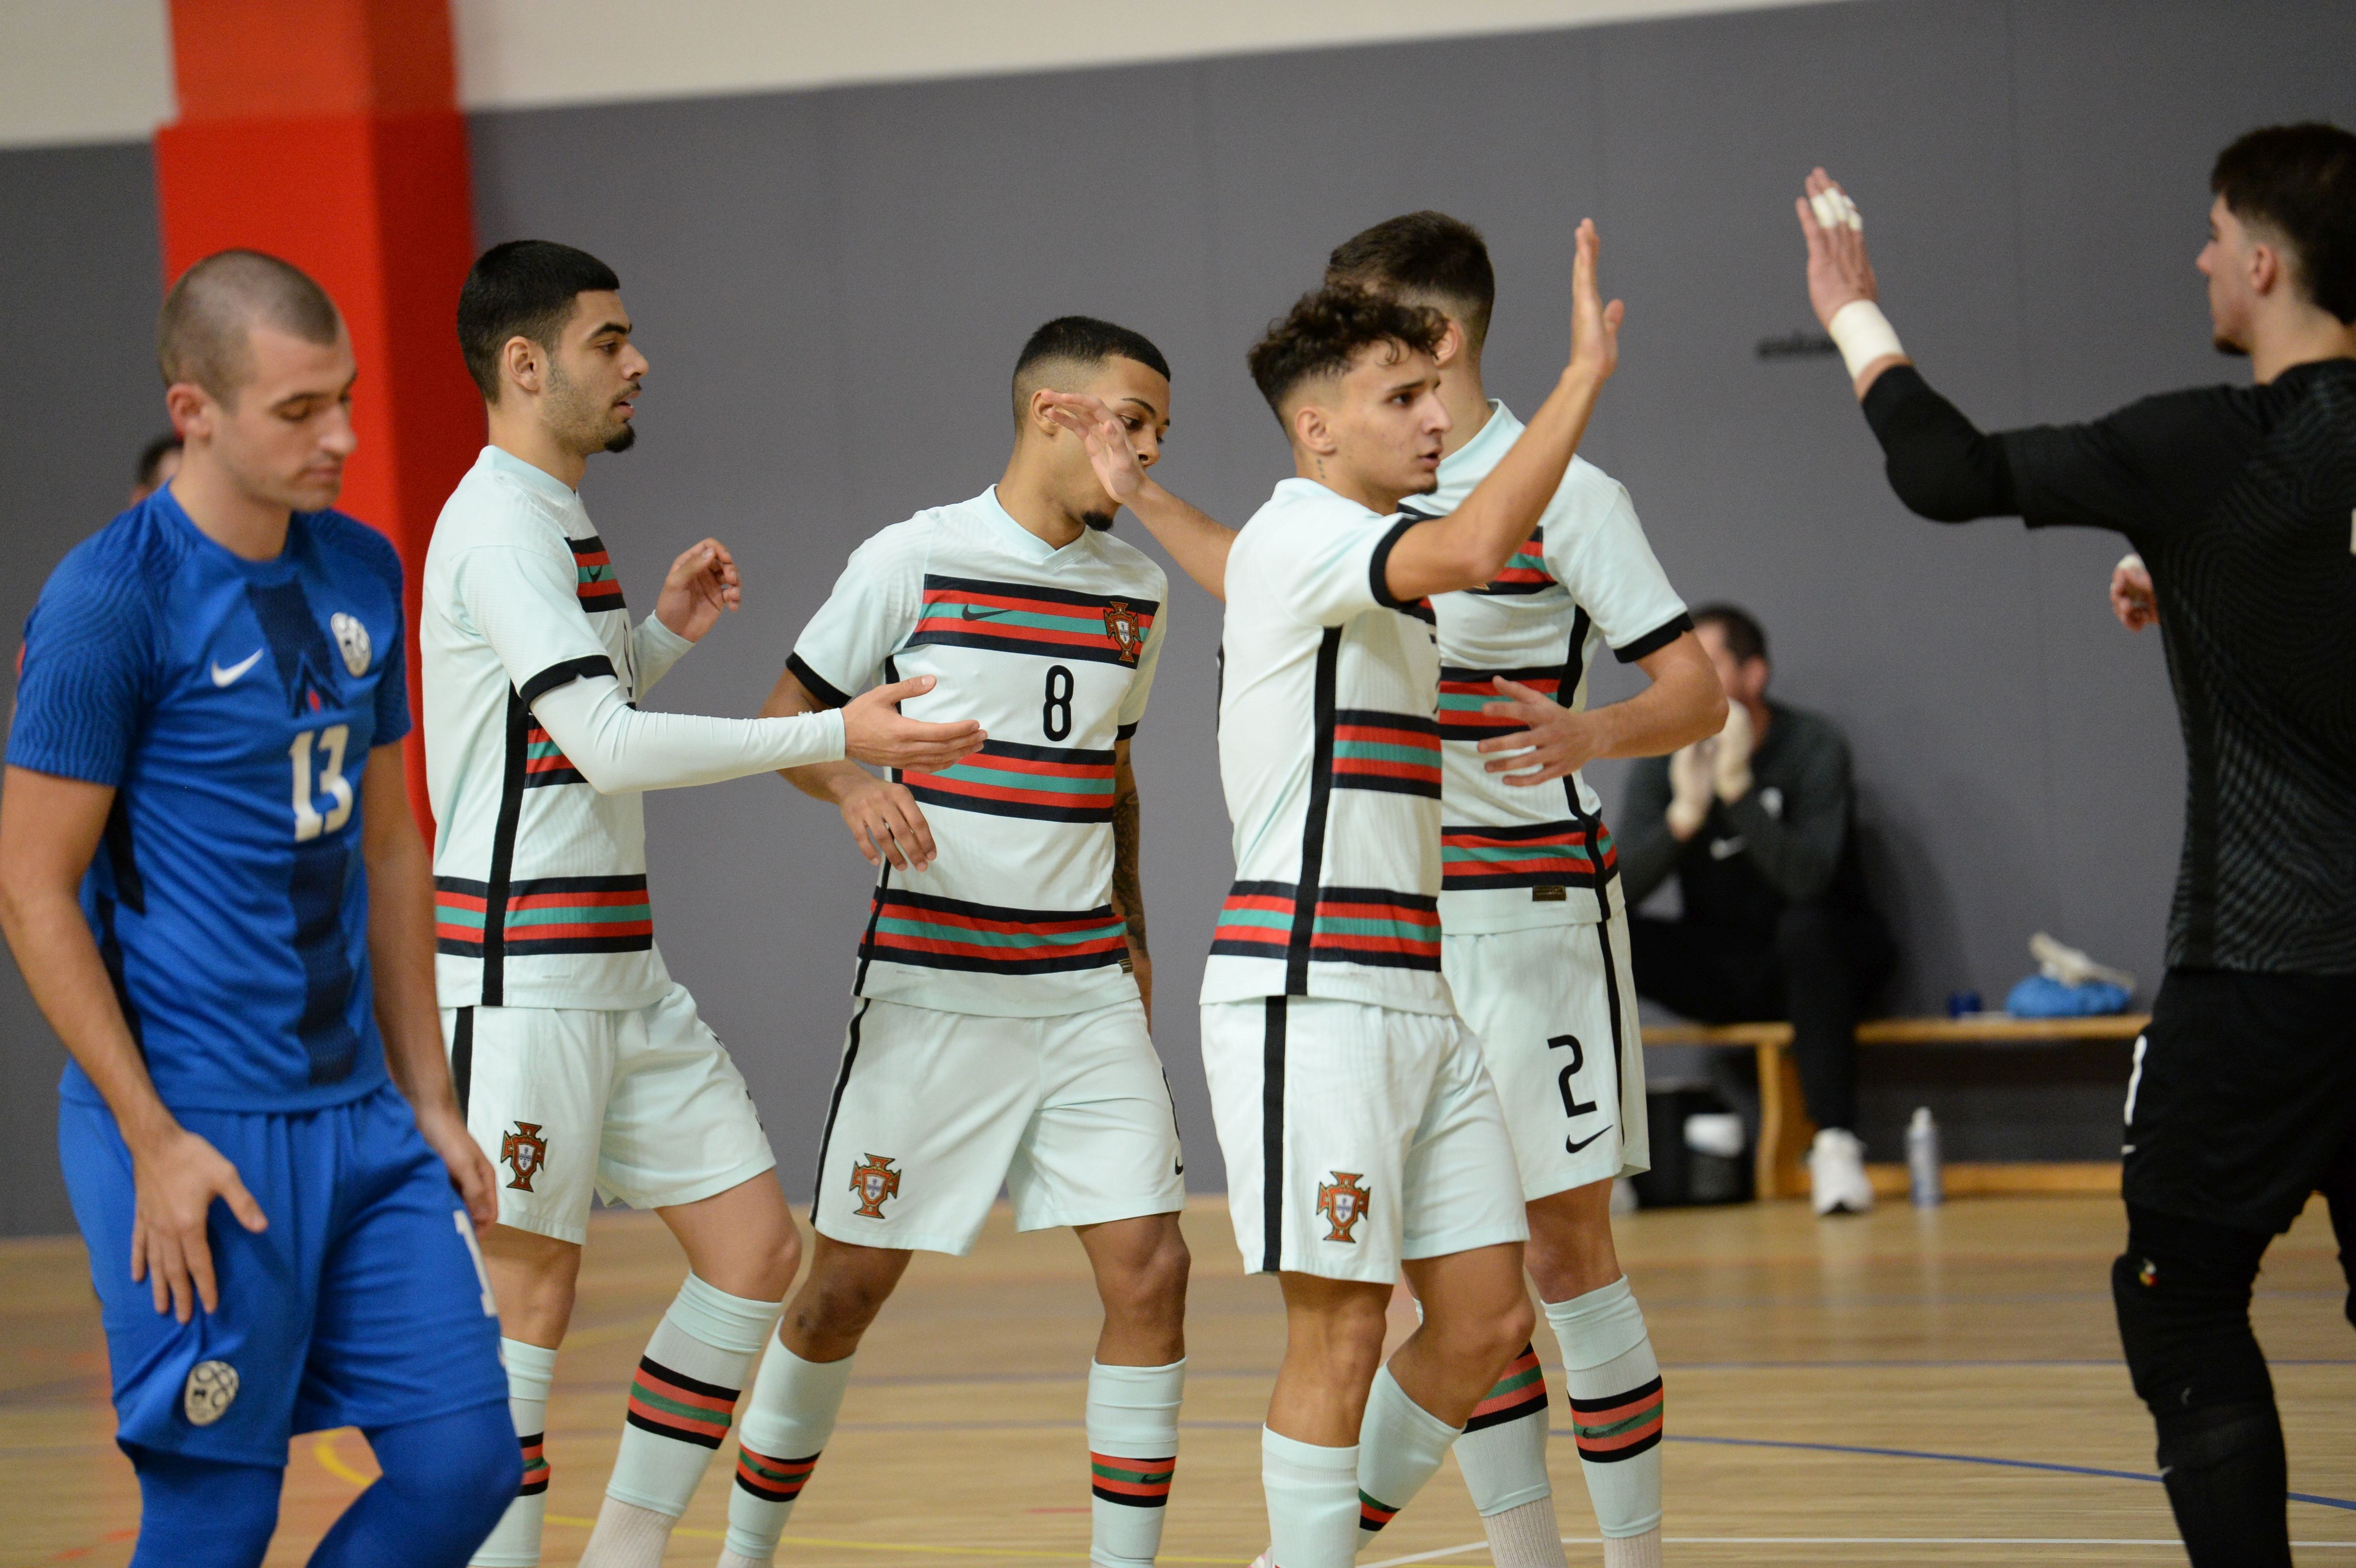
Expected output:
(1951, 1458)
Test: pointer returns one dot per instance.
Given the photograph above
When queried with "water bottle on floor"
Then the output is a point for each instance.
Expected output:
(1923, 1160)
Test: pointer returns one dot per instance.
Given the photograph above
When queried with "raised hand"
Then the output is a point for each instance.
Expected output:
(176, 1180)
(1839, 271)
(1557, 739)
(702, 586)
(875, 732)
(1118, 468)
(2131, 594)
(1594, 326)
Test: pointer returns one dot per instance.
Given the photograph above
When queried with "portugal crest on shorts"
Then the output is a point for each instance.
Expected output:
(206, 1398)
(876, 1183)
(524, 1152)
(1344, 1203)
(1121, 625)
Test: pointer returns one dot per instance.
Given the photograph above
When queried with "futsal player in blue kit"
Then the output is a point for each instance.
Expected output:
(210, 877)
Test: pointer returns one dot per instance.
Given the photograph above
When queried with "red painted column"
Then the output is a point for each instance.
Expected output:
(326, 132)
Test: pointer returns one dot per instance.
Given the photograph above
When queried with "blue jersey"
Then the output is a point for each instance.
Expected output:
(232, 704)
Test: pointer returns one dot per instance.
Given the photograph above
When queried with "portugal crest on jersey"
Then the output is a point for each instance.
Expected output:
(524, 1152)
(1121, 625)
(876, 1183)
(1344, 1203)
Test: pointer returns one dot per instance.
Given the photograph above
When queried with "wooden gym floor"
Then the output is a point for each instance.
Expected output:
(1939, 1388)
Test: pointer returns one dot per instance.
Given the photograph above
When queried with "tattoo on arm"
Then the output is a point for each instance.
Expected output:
(1127, 893)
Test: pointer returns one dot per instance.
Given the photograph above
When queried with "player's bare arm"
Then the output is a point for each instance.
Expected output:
(883, 816)
(1469, 546)
(1197, 541)
(1684, 703)
(50, 829)
(1128, 890)
(702, 586)
(1840, 276)
(401, 960)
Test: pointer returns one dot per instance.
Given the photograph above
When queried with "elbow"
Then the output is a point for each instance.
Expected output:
(1709, 709)
(1933, 489)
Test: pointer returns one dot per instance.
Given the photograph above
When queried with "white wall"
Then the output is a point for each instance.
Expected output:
(99, 71)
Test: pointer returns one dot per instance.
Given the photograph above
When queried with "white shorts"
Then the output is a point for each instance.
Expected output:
(1555, 1007)
(933, 1111)
(642, 1106)
(1357, 1136)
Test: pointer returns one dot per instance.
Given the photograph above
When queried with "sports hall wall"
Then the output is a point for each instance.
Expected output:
(832, 285)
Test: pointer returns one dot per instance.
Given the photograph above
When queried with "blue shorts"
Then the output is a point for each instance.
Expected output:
(362, 1305)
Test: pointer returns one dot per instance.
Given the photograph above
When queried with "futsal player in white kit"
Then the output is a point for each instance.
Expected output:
(1361, 1131)
(1537, 941)
(1000, 1029)
(580, 1065)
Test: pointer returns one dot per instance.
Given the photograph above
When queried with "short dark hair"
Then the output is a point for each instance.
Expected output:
(2300, 182)
(203, 333)
(1081, 342)
(1745, 638)
(525, 288)
(152, 455)
(1425, 256)
(1324, 330)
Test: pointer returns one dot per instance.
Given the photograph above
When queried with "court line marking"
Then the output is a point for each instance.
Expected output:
(1432, 1557)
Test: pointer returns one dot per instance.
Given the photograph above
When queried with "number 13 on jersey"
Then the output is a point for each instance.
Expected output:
(320, 752)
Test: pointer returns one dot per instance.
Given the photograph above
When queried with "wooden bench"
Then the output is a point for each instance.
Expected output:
(1780, 1162)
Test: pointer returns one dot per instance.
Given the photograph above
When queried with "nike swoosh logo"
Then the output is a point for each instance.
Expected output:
(1726, 849)
(1570, 1147)
(229, 676)
(971, 613)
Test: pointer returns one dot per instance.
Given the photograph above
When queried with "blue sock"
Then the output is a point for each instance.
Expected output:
(445, 1483)
(202, 1513)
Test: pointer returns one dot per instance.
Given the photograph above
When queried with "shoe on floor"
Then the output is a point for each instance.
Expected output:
(1836, 1179)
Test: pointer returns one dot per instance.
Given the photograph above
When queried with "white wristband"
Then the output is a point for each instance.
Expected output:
(1863, 335)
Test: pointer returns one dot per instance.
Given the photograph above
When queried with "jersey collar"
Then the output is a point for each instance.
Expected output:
(1470, 463)
(539, 481)
(1022, 540)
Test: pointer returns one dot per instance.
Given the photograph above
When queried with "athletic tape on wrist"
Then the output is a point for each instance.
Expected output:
(1863, 335)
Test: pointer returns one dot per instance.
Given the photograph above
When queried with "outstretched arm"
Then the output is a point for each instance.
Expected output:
(1197, 541)
(1469, 546)
(1684, 704)
(50, 829)
(883, 816)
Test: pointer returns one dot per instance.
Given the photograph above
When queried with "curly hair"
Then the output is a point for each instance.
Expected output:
(1324, 330)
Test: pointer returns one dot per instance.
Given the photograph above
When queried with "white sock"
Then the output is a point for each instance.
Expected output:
(1633, 1550)
(1503, 1451)
(1312, 1502)
(1614, 1386)
(1400, 1445)
(515, 1544)
(1132, 1451)
(681, 1403)
(786, 1423)
(1526, 1536)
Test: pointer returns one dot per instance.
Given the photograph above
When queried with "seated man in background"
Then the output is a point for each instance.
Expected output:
(1759, 827)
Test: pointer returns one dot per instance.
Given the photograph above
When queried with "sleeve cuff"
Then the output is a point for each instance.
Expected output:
(1378, 566)
(1123, 731)
(664, 641)
(816, 685)
(564, 674)
(1656, 639)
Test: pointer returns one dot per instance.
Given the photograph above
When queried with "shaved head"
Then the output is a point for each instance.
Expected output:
(204, 335)
(1066, 353)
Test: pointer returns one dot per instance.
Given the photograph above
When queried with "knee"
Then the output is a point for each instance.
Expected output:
(838, 1302)
(1344, 1342)
(2182, 1293)
(455, 1475)
(1486, 1338)
(775, 1265)
(1152, 1284)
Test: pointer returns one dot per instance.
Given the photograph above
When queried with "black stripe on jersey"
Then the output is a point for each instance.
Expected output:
(315, 892)
(958, 793)
(1321, 800)
(1378, 564)
(564, 674)
(1612, 1001)
(1656, 639)
(827, 694)
(1032, 591)
(1123, 731)
(1065, 653)
(503, 838)
(1271, 1136)
(841, 1082)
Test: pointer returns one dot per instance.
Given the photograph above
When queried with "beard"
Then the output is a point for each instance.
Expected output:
(621, 442)
(1099, 521)
(585, 426)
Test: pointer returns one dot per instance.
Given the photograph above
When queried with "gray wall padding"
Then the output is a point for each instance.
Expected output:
(832, 287)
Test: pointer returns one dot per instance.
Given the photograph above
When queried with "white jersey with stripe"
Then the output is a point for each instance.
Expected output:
(1330, 754)
(519, 834)
(1054, 652)
(1516, 857)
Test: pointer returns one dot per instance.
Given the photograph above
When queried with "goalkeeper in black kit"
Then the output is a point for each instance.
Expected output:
(2241, 502)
